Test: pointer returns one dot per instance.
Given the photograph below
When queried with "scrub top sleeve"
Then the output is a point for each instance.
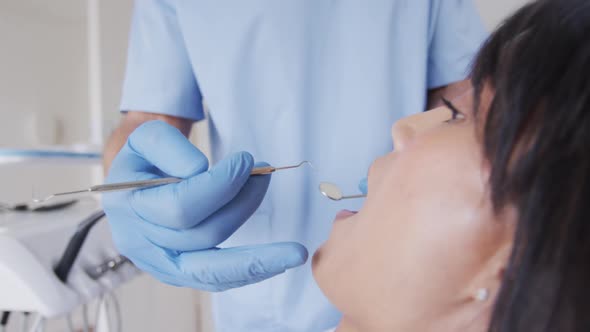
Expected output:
(456, 34)
(159, 77)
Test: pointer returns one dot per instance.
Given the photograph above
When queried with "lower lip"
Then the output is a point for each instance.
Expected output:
(345, 214)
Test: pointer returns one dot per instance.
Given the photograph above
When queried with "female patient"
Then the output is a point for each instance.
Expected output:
(480, 218)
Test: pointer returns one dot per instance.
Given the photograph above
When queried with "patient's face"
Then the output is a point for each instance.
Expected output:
(426, 232)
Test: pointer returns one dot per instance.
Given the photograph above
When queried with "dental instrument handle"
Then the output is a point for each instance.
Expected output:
(133, 184)
(263, 170)
(142, 184)
(159, 182)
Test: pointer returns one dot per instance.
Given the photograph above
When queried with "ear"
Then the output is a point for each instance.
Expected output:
(492, 275)
(508, 217)
(500, 261)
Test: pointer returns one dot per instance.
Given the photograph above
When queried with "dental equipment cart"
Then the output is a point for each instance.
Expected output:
(33, 249)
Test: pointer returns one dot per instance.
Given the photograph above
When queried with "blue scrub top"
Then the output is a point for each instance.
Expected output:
(295, 80)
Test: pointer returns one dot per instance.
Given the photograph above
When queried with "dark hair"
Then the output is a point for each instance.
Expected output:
(537, 139)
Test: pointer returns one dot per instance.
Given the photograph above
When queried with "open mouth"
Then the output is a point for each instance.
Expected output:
(345, 214)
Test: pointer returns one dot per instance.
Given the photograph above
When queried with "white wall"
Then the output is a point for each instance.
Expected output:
(43, 74)
(115, 18)
(43, 67)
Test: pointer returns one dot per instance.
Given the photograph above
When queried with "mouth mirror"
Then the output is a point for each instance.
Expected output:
(331, 191)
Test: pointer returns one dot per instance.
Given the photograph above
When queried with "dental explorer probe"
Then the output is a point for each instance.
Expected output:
(142, 184)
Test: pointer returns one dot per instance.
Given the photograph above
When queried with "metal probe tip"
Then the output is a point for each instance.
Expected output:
(41, 200)
(296, 166)
(50, 197)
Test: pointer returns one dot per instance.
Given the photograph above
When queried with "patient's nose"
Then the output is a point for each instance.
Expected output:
(406, 130)
(402, 134)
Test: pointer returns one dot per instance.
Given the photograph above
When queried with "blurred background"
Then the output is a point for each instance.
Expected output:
(61, 69)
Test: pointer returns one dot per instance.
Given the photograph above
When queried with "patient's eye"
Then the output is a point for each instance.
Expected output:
(456, 114)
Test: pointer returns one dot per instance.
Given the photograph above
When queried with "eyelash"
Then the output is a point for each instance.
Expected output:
(457, 115)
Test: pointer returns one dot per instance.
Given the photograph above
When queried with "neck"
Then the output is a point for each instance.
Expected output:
(469, 321)
(346, 325)
(349, 325)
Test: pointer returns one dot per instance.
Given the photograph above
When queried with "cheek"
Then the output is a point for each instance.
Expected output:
(419, 237)
(433, 198)
(378, 171)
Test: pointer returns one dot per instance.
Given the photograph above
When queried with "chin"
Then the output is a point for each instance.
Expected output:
(322, 270)
(319, 268)
(328, 281)
(316, 262)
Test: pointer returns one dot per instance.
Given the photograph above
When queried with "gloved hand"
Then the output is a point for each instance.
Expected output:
(171, 231)
(364, 186)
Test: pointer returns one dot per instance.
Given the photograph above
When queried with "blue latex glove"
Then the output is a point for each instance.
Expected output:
(171, 231)
(364, 186)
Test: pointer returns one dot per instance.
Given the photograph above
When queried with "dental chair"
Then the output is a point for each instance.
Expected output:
(53, 262)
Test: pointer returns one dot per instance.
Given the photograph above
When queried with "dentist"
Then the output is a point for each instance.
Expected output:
(285, 81)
